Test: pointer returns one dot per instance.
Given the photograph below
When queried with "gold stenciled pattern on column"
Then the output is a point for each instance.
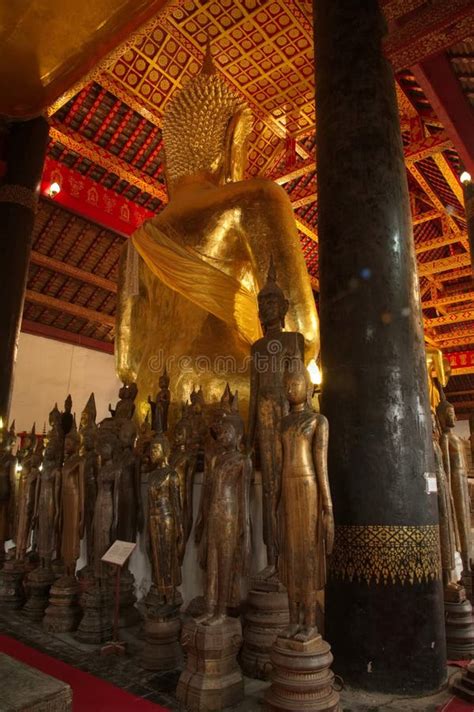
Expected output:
(386, 554)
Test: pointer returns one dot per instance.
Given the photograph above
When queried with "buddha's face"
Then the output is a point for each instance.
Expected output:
(296, 387)
(450, 416)
(104, 448)
(226, 435)
(70, 444)
(272, 308)
(180, 435)
(163, 382)
(87, 440)
(126, 436)
(157, 453)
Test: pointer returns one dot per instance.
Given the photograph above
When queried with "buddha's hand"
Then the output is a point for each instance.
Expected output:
(328, 528)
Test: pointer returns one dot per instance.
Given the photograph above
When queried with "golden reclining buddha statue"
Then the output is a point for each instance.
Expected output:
(189, 277)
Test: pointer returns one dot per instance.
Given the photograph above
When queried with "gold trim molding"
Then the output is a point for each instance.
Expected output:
(386, 554)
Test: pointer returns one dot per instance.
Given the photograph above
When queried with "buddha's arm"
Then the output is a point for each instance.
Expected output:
(130, 324)
(276, 234)
(320, 457)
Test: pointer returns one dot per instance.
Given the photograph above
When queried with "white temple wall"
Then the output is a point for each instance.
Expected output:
(47, 371)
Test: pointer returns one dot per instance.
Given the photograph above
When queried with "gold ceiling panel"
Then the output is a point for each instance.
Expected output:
(263, 50)
(49, 45)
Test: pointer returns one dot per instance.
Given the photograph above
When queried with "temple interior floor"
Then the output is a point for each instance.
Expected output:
(126, 673)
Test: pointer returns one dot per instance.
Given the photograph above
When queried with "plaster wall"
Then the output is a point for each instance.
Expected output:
(47, 371)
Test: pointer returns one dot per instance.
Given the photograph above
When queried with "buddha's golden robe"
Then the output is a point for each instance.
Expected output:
(188, 300)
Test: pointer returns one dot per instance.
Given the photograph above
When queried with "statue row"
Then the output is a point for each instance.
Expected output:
(87, 480)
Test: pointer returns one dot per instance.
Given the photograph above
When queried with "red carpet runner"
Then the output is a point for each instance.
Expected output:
(456, 705)
(89, 693)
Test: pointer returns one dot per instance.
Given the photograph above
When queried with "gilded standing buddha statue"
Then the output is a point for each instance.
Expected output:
(188, 300)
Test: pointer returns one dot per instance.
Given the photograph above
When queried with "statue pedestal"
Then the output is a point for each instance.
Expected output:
(97, 605)
(129, 615)
(212, 679)
(464, 685)
(12, 593)
(162, 650)
(63, 613)
(266, 616)
(38, 584)
(466, 582)
(302, 680)
(459, 623)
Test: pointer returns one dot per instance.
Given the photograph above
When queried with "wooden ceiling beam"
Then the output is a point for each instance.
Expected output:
(305, 200)
(306, 228)
(454, 298)
(455, 274)
(464, 406)
(68, 337)
(74, 141)
(415, 151)
(81, 275)
(76, 310)
(444, 92)
(426, 217)
(444, 264)
(463, 336)
(435, 201)
(438, 242)
(428, 31)
(451, 318)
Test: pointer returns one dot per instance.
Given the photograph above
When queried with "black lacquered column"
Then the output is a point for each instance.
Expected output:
(24, 149)
(384, 609)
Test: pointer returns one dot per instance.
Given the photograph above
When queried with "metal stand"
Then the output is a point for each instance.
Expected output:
(115, 646)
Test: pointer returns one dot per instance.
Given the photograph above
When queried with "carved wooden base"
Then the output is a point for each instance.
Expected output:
(302, 680)
(63, 612)
(466, 581)
(97, 605)
(267, 615)
(459, 623)
(12, 592)
(463, 686)
(129, 615)
(212, 679)
(38, 586)
(162, 650)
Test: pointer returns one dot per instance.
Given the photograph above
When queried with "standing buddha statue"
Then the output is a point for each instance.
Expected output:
(106, 503)
(72, 501)
(7, 485)
(223, 526)
(165, 522)
(130, 509)
(88, 436)
(29, 470)
(449, 537)
(456, 471)
(268, 403)
(48, 487)
(190, 292)
(307, 526)
(183, 460)
(162, 402)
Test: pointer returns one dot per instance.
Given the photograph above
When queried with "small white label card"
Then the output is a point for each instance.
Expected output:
(431, 483)
(119, 552)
